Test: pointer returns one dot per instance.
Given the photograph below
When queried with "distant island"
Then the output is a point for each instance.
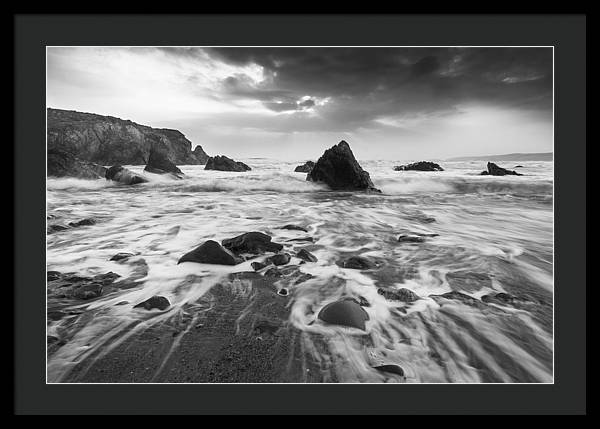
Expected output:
(541, 156)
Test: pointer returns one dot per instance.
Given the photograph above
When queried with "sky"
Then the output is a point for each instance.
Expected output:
(292, 103)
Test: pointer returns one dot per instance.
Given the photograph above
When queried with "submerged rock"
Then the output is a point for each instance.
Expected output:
(305, 255)
(118, 173)
(159, 163)
(83, 222)
(391, 368)
(257, 266)
(121, 256)
(345, 312)
(495, 170)
(305, 168)
(279, 259)
(500, 298)
(419, 166)
(222, 163)
(55, 228)
(61, 163)
(457, 296)
(402, 294)
(157, 301)
(358, 263)
(88, 291)
(406, 238)
(338, 168)
(210, 252)
(294, 228)
(251, 242)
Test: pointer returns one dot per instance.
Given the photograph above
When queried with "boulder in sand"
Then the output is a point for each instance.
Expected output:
(495, 170)
(419, 166)
(118, 173)
(305, 168)
(222, 163)
(338, 169)
(210, 252)
(157, 301)
(159, 163)
(345, 312)
(251, 242)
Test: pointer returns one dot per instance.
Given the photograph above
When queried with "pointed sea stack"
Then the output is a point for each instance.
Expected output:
(338, 168)
(159, 163)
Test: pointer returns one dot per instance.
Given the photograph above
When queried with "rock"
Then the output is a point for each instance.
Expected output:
(405, 238)
(257, 266)
(494, 170)
(338, 168)
(402, 294)
(108, 140)
(159, 163)
(273, 272)
(518, 166)
(294, 228)
(305, 168)
(279, 259)
(283, 292)
(157, 301)
(305, 255)
(52, 275)
(358, 263)
(301, 239)
(345, 312)
(457, 296)
(251, 242)
(55, 228)
(121, 256)
(500, 298)
(88, 291)
(210, 252)
(391, 368)
(61, 163)
(200, 155)
(83, 222)
(468, 281)
(118, 173)
(222, 163)
(303, 277)
(419, 166)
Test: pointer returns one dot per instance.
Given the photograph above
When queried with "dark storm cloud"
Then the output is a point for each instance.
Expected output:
(368, 83)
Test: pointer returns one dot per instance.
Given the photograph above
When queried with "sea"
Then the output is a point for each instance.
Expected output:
(484, 235)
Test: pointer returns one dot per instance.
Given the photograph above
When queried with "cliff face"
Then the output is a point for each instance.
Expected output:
(108, 140)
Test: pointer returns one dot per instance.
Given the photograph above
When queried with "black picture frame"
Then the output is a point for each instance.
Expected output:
(567, 33)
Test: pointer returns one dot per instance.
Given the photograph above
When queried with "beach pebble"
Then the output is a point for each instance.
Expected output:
(345, 312)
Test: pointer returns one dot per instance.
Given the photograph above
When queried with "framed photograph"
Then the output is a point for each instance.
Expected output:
(349, 223)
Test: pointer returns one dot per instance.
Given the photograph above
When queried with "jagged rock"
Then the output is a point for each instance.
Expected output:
(419, 166)
(121, 256)
(157, 301)
(251, 242)
(83, 222)
(305, 255)
(222, 163)
(279, 259)
(494, 170)
(358, 263)
(200, 155)
(294, 228)
(402, 294)
(118, 173)
(500, 298)
(305, 168)
(64, 164)
(210, 252)
(108, 140)
(457, 296)
(159, 163)
(345, 312)
(52, 275)
(338, 168)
